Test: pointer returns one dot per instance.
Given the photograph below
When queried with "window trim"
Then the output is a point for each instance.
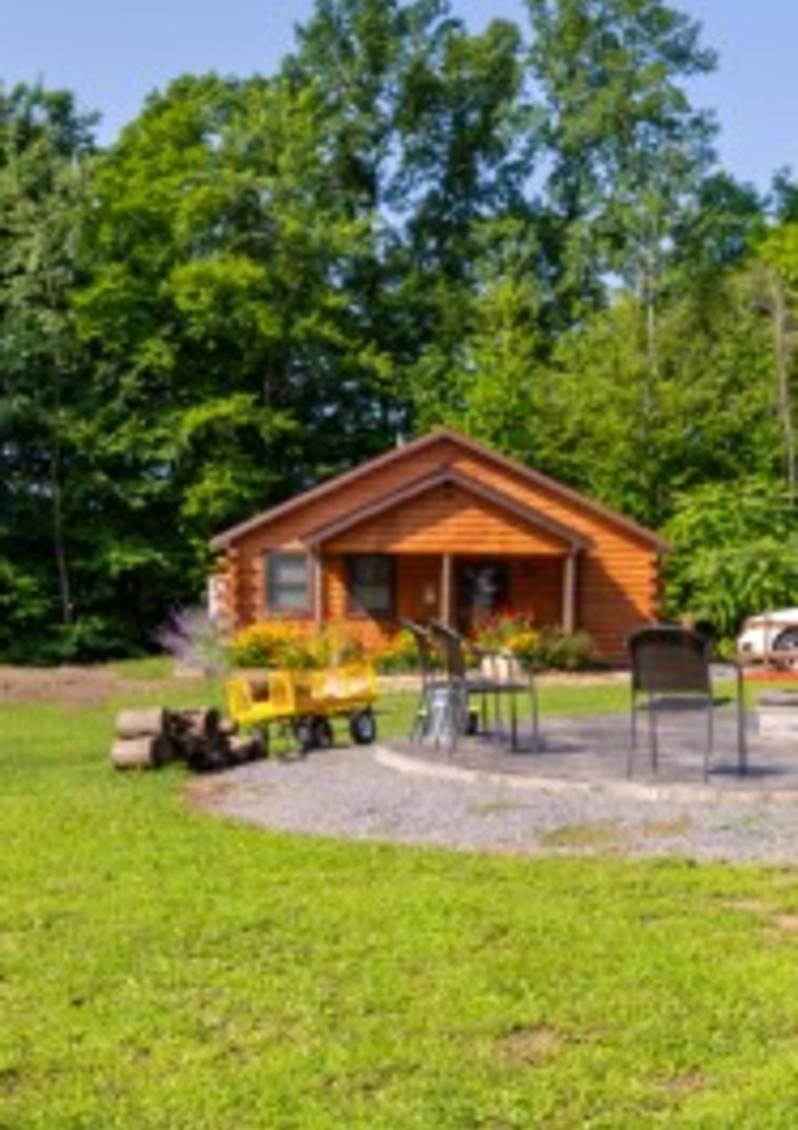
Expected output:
(354, 609)
(272, 608)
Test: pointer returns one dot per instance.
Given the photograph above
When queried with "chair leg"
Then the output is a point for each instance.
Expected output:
(534, 714)
(742, 750)
(449, 727)
(456, 714)
(415, 729)
(437, 718)
(417, 733)
(652, 725)
(710, 736)
(513, 722)
(630, 759)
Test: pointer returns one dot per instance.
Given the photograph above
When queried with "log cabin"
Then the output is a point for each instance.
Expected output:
(442, 528)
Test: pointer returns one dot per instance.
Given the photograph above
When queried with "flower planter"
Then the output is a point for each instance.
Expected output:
(505, 668)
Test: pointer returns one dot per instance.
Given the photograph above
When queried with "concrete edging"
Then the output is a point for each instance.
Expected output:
(633, 790)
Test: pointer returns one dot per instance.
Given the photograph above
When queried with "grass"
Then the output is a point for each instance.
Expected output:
(163, 969)
(145, 668)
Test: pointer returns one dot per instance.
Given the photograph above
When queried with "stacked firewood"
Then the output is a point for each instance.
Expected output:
(147, 739)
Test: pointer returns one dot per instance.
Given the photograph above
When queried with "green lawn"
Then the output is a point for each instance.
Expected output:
(161, 968)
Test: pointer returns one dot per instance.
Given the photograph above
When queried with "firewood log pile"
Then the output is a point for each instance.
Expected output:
(148, 739)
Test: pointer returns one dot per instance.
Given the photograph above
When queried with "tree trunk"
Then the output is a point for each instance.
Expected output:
(782, 352)
(59, 543)
(648, 293)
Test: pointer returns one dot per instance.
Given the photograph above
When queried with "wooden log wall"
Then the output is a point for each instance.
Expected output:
(617, 576)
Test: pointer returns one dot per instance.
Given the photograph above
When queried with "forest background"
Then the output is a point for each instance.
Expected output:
(523, 232)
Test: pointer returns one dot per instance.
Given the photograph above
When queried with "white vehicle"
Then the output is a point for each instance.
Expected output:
(768, 632)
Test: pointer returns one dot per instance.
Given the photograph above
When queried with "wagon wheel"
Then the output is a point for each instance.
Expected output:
(322, 733)
(303, 732)
(363, 727)
(260, 743)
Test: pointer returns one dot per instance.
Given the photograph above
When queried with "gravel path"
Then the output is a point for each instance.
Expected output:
(374, 794)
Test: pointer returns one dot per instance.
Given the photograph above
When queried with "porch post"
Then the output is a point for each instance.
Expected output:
(318, 592)
(446, 588)
(569, 592)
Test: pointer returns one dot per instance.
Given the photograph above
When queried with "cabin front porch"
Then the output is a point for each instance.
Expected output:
(457, 589)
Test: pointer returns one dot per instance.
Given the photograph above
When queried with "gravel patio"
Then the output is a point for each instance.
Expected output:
(572, 797)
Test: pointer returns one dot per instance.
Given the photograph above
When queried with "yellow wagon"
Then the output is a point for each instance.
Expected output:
(257, 704)
(306, 701)
(348, 691)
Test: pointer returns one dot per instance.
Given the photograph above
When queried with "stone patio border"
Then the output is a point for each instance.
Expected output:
(638, 790)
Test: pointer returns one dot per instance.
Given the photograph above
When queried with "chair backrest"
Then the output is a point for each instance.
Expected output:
(670, 660)
(424, 644)
(451, 646)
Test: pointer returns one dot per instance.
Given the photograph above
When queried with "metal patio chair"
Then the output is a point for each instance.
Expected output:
(671, 664)
(427, 721)
(454, 649)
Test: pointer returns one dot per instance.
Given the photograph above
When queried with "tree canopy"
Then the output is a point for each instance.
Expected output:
(523, 231)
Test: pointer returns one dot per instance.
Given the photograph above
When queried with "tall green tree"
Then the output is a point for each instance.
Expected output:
(773, 281)
(713, 418)
(626, 150)
(262, 281)
(44, 143)
(488, 384)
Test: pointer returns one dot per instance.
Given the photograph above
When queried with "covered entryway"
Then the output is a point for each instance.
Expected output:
(430, 531)
(443, 528)
(482, 589)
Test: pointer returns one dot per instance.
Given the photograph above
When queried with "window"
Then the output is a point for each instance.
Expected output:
(371, 584)
(287, 582)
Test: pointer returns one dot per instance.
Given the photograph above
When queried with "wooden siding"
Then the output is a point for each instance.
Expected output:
(618, 575)
(446, 519)
(536, 589)
(414, 575)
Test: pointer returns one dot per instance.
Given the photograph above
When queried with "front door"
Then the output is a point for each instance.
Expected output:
(482, 588)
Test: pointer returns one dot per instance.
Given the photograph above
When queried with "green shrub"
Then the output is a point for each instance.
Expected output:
(547, 647)
(270, 644)
(736, 554)
(399, 656)
(276, 644)
(563, 651)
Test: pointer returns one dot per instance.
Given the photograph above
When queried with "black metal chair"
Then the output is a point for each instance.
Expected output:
(454, 649)
(432, 684)
(673, 663)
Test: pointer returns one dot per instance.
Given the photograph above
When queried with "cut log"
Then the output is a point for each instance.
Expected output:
(208, 756)
(244, 749)
(200, 722)
(141, 723)
(139, 753)
(193, 750)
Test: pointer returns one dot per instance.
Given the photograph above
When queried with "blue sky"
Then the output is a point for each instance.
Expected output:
(113, 54)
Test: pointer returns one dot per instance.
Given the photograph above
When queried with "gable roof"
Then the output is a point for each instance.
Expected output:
(397, 454)
(449, 476)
